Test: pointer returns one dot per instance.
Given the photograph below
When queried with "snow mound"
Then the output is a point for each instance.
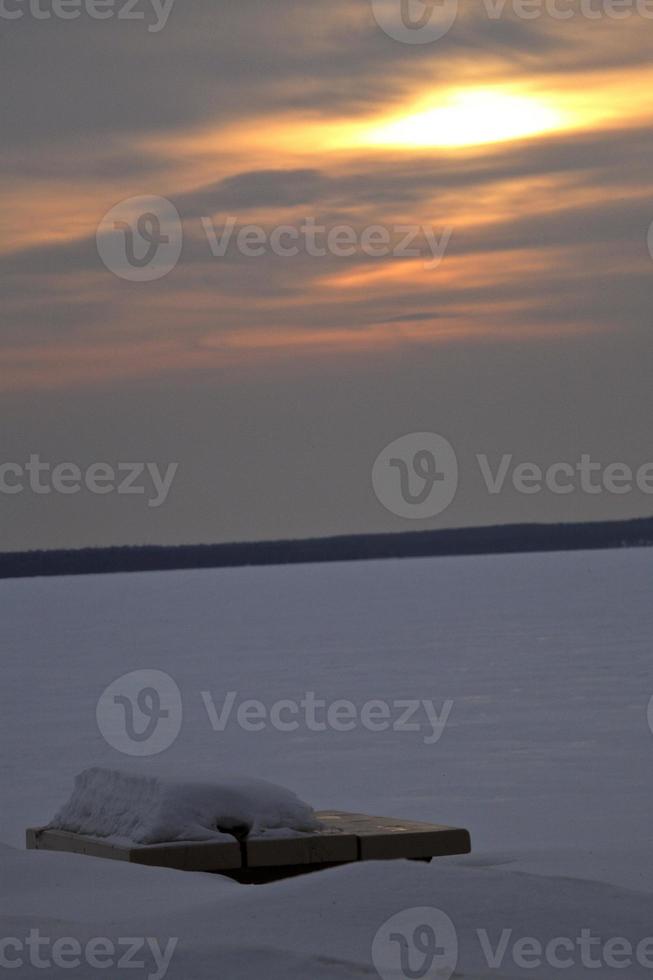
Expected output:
(147, 810)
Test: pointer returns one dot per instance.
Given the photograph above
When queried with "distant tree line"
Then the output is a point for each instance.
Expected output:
(502, 539)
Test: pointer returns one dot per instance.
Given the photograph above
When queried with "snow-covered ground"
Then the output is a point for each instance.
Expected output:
(528, 679)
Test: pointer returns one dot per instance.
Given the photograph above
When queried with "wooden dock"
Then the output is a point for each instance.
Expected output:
(345, 838)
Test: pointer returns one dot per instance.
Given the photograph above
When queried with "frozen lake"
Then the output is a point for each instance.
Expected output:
(506, 694)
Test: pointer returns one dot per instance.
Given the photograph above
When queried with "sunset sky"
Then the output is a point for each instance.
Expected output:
(275, 381)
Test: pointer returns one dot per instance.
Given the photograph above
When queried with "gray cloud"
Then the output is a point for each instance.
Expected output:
(221, 60)
(273, 445)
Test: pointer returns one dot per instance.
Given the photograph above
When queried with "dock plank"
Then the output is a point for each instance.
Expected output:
(344, 838)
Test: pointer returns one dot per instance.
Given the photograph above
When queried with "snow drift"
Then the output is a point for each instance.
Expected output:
(147, 810)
